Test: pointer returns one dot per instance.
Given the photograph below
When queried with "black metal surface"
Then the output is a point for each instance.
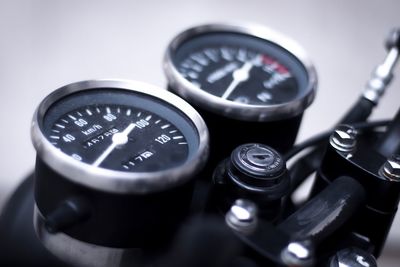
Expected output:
(326, 212)
(364, 165)
(19, 245)
(215, 245)
(268, 253)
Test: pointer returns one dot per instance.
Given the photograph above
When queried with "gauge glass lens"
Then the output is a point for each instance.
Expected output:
(120, 130)
(241, 68)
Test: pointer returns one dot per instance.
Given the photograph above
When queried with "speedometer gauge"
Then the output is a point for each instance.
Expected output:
(246, 80)
(114, 130)
(108, 152)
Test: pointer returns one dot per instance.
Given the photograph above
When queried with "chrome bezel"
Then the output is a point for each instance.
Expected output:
(111, 180)
(193, 94)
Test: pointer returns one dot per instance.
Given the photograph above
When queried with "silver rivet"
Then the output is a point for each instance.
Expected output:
(242, 216)
(344, 138)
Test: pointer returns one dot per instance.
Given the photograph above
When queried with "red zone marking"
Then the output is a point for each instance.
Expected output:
(279, 67)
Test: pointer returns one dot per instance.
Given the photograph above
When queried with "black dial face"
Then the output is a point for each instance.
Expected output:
(119, 130)
(241, 68)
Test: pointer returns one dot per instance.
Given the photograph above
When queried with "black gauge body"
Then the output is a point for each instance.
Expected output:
(226, 134)
(249, 83)
(112, 220)
(116, 161)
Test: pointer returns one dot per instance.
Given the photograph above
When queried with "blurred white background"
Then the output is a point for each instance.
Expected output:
(45, 44)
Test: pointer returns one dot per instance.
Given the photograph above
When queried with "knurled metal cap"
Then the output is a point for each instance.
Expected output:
(258, 159)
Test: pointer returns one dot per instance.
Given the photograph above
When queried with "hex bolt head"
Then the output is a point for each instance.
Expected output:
(298, 253)
(391, 168)
(344, 138)
(353, 257)
(242, 216)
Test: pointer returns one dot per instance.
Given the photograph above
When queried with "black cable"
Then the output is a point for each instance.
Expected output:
(359, 112)
(312, 141)
(304, 167)
(389, 143)
(320, 138)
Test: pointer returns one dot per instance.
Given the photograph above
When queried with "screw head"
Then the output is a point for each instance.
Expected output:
(344, 138)
(242, 216)
(298, 253)
(391, 168)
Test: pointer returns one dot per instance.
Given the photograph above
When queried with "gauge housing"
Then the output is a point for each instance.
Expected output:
(232, 123)
(288, 51)
(87, 207)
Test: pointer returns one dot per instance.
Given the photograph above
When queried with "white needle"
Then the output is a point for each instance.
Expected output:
(117, 140)
(239, 75)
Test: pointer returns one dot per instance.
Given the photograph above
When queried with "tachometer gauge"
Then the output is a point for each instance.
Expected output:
(250, 84)
(109, 150)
